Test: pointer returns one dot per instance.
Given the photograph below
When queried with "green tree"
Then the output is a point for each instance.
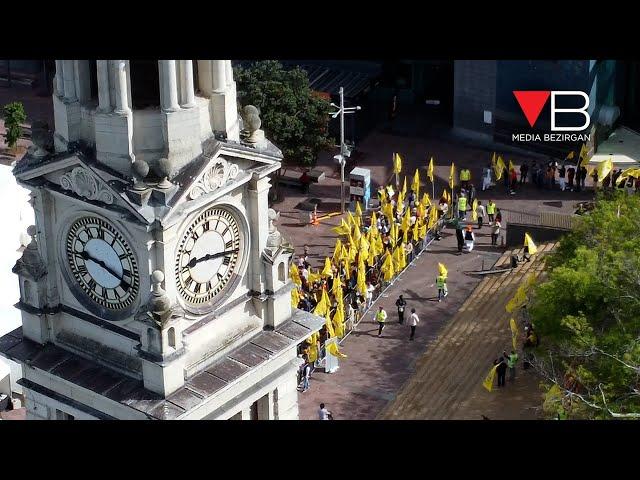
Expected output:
(294, 117)
(14, 116)
(587, 312)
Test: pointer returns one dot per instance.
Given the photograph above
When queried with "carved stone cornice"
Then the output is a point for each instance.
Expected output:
(84, 184)
(217, 175)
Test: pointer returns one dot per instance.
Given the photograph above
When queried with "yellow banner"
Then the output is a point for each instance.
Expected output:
(488, 381)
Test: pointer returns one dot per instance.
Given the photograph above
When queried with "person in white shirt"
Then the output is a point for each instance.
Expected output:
(469, 238)
(323, 413)
(413, 322)
(486, 178)
(306, 374)
(370, 290)
(481, 211)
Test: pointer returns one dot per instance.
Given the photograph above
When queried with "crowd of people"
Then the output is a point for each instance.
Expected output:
(370, 252)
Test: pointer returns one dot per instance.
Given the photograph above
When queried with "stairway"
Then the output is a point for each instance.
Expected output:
(458, 361)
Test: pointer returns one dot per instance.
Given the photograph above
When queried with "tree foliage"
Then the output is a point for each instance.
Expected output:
(588, 312)
(294, 118)
(14, 116)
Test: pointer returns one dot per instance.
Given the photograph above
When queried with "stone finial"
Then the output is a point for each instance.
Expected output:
(41, 138)
(252, 123)
(274, 239)
(159, 304)
(140, 171)
(30, 263)
(164, 168)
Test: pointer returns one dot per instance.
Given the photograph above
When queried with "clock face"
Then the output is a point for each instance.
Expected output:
(102, 263)
(208, 256)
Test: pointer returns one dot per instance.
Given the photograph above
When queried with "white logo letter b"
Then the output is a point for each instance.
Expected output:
(583, 110)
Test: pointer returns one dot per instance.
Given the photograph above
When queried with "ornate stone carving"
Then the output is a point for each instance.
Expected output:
(83, 183)
(216, 176)
(30, 264)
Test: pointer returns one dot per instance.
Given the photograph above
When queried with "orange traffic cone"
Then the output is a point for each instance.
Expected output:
(314, 217)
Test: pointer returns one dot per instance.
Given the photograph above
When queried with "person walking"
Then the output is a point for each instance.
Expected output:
(512, 358)
(323, 413)
(486, 177)
(469, 238)
(561, 174)
(306, 375)
(441, 284)
(462, 206)
(381, 317)
(413, 323)
(571, 172)
(401, 303)
(524, 170)
(491, 211)
(459, 238)
(495, 231)
(501, 371)
(481, 214)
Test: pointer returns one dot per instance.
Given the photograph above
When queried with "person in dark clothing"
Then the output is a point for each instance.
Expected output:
(498, 216)
(606, 181)
(506, 177)
(305, 181)
(583, 171)
(561, 176)
(534, 173)
(524, 170)
(571, 172)
(401, 303)
(540, 178)
(460, 238)
(501, 371)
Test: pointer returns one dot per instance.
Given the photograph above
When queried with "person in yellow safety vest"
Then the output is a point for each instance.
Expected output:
(462, 206)
(441, 283)
(491, 211)
(381, 316)
(465, 176)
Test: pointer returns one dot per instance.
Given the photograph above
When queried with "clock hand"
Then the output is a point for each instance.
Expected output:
(85, 255)
(209, 256)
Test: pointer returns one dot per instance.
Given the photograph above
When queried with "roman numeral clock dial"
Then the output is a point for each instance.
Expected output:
(102, 263)
(207, 258)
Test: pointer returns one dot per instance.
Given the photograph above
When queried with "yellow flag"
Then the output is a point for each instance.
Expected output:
(358, 210)
(294, 273)
(442, 270)
(570, 155)
(295, 298)
(423, 231)
(337, 252)
(499, 168)
(452, 176)
(430, 170)
(433, 217)
(361, 283)
(397, 163)
(356, 235)
(404, 188)
(343, 228)
(394, 234)
(518, 300)
(390, 191)
(474, 213)
(387, 267)
(328, 324)
(488, 381)
(406, 220)
(333, 350)
(604, 168)
(415, 186)
(374, 222)
(528, 242)
(312, 352)
(322, 308)
(416, 231)
(387, 210)
(338, 321)
(514, 333)
(399, 257)
(511, 166)
(493, 160)
(583, 152)
(426, 201)
(327, 271)
(313, 277)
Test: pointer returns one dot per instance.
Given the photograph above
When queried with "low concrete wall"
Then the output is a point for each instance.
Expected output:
(540, 234)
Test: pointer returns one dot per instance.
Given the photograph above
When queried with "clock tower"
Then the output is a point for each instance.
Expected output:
(156, 282)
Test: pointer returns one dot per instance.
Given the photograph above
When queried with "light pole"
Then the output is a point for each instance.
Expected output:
(344, 151)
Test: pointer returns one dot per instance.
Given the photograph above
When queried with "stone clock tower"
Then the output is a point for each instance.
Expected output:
(156, 283)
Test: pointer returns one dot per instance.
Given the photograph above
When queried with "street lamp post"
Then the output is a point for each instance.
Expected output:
(344, 151)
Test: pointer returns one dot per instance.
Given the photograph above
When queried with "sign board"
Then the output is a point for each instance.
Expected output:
(357, 191)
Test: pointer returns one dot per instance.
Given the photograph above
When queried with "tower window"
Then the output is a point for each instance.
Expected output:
(171, 334)
(145, 84)
(281, 272)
